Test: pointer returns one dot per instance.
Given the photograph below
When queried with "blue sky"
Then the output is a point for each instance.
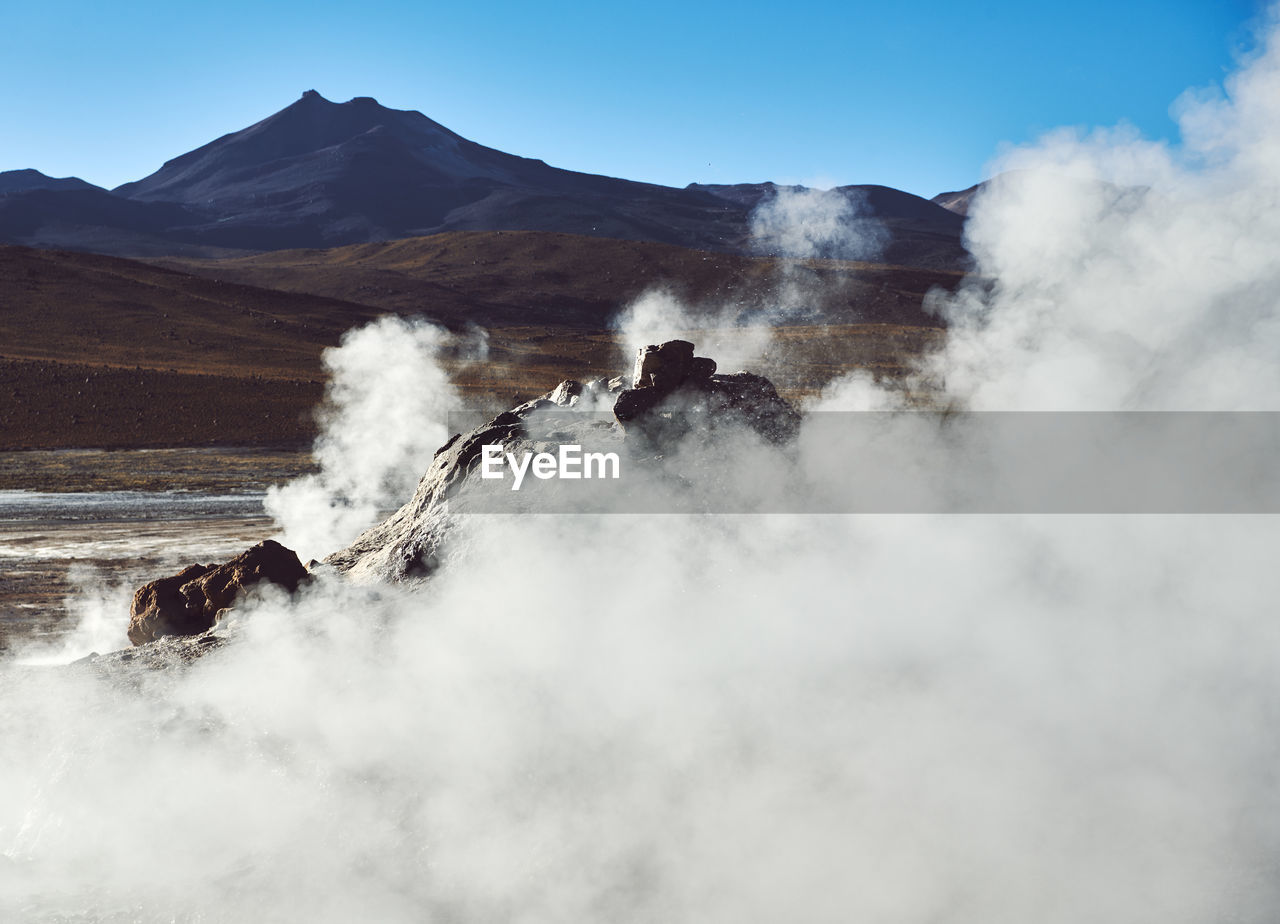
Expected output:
(919, 95)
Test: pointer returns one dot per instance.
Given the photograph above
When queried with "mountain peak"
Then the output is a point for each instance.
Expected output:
(322, 173)
(314, 97)
(14, 181)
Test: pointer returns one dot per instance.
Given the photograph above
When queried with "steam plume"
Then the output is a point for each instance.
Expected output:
(791, 223)
(385, 413)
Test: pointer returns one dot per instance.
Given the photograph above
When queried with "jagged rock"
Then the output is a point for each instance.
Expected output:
(161, 608)
(663, 366)
(677, 393)
(177, 619)
(702, 367)
(566, 394)
(666, 366)
(746, 398)
(189, 602)
(408, 544)
(170, 652)
(634, 403)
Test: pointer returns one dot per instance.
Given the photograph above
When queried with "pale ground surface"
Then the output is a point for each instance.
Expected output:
(80, 530)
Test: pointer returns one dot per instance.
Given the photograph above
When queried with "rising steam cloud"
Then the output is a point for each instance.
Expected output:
(384, 414)
(799, 223)
(791, 223)
(1125, 274)
(967, 719)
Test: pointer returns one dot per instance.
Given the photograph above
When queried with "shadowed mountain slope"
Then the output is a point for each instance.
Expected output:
(319, 173)
(325, 174)
(15, 181)
(104, 351)
(958, 201)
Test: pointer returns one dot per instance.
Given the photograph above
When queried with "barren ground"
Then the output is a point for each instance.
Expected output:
(104, 352)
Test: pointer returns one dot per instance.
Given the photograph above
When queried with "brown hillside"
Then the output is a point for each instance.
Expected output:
(105, 351)
(533, 278)
(102, 351)
(110, 311)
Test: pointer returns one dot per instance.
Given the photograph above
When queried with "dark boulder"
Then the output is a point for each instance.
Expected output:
(161, 607)
(663, 366)
(702, 367)
(676, 393)
(744, 398)
(634, 403)
(189, 602)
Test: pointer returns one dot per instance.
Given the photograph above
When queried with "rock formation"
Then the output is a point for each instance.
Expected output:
(192, 600)
(408, 543)
(674, 395)
(676, 399)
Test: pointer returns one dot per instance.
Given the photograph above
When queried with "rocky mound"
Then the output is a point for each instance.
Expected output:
(192, 600)
(673, 395)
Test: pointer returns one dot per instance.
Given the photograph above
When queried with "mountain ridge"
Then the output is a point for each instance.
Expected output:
(324, 174)
(29, 179)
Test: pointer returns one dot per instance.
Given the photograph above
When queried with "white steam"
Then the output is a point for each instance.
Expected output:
(385, 413)
(727, 719)
(679, 719)
(1118, 273)
(718, 330)
(800, 223)
(98, 604)
(793, 223)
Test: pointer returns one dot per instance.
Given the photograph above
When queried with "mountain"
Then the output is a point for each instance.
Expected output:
(16, 181)
(94, 220)
(320, 174)
(958, 201)
(325, 174)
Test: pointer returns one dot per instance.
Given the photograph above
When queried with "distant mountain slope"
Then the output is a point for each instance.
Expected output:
(94, 220)
(319, 173)
(272, 314)
(324, 174)
(104, 351)
(958, 201)
(562, 280)
(91, 308)
(101, 351)
(892, 205)
(14, 181)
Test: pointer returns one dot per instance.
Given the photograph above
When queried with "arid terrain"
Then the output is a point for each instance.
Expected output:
(84, 527)
(106, 352)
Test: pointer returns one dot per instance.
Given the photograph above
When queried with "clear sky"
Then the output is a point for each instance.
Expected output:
(917, 95)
